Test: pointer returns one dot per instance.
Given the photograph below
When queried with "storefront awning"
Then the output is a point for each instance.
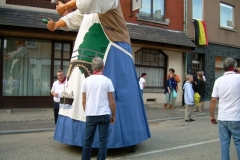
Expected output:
(28, 24)
(160, 37)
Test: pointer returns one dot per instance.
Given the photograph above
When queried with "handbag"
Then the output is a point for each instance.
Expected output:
(197, 97)
(174, 93)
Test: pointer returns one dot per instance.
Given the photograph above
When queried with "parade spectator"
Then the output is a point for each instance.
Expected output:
(194, 81)
(185, 80)
(142, 81)
(99, 106)
(188, 98)
(56, 91)
(176, 77)
(203, 76)
(226, 89)
(201, 91)
(171, 85)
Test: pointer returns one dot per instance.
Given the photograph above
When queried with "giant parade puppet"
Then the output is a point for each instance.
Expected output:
(103, 33)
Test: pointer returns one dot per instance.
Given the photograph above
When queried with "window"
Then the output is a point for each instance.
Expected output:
(226, 16)
(153, 62)
(152, 9)
(61, 59)
(219, 70)
(197, 9)
(26, 71)
(31, 44)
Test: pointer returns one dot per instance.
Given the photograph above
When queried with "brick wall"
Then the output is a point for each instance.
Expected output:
(174, 10)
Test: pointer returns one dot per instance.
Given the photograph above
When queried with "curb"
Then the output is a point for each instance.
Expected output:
(26, 131)
(52, 129)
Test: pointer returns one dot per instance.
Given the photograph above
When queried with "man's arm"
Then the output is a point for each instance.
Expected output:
(99, 6)
(53, 91)
(84, 100)
(213, 104)
(144, 84)
(112, 106)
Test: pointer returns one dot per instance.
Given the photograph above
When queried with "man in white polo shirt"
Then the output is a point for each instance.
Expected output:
(56, 91)
(227, 90)
(99, 106)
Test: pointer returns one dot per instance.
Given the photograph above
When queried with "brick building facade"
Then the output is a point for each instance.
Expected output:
(158, 44)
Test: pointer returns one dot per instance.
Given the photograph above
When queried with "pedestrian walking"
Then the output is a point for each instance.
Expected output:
(188, 98)
(142, 81)
(170, 90)
(226, 89)
(176, 77)
(99, 106)
(56, 91)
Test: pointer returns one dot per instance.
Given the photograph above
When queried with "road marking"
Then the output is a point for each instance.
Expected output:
(169, 149)
(165, 119)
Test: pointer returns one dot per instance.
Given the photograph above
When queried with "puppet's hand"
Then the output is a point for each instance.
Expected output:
(51, 25)
(61, 8)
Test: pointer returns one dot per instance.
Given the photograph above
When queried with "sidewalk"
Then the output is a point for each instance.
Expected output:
(36, 120)
(26, 120)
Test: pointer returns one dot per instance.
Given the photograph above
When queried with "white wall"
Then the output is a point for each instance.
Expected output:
(175, 61)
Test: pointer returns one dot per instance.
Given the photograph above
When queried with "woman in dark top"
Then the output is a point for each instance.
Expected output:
(171, 85)
(201, 91)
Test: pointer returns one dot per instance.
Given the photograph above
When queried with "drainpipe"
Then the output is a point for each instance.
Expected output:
(185, 28)
(185, 16)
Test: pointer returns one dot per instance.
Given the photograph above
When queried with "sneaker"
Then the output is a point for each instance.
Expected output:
(192, 120)
(188, 121)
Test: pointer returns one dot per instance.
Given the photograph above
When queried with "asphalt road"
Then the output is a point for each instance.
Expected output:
(171, 140)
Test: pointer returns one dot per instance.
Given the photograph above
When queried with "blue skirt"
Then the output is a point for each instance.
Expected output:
(131, 126)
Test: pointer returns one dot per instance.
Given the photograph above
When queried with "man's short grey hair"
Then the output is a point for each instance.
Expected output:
(228, 63)
(97, 63)
(188, 76)
(60, 71)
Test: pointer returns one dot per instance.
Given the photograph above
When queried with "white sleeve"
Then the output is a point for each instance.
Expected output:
(53, 88)
(142, 80)
(73, 20)
(204, 78)
(96, 6)
(214, 92)
(110, 86)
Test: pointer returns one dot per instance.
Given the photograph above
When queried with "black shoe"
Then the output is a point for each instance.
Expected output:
(192, 120)
(188, 121)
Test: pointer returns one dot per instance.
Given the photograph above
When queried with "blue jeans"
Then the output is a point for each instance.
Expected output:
(92, 122)
(226, 130)
(141, 91)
